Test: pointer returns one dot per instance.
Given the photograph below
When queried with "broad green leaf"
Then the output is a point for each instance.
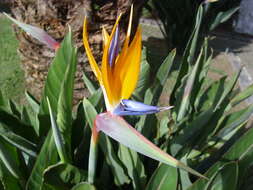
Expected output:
(56, 81)
(88, 83)
(225, 178)
(33, 102)
(58, 137)
(15, 125)
(164, 178)
(90, 112)
(223, 17)
(17, 141)
(152, 95)
(8, 181)
(134, 165)
(64, 108)
(236, 152)
(190, 132)
(185, 102)
(9, 161)
(233, 120)
(119, 130)
(163, 127)
(47, 156)
(106, 146)
(15, 109)
(166, 67)
(83, 186)
(146, 122)
(228, 88)
(64, 175)
(245, 165)
(27, 117)
(56, 75)
(210, 97)
(189, 52)
(37, 33)
(242, 95)
(30, 118)
(144, 79)
(96, 97)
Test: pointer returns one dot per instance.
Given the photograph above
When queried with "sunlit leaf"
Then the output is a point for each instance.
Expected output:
(104, 142)
(119, 130)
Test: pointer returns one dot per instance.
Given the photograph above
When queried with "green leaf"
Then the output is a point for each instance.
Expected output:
(189, 52)
(242, 95)
(64, 108)
(185, 102)
(234, 120)
(211, 95)
(134, 165)
(8, 181)
(47, 156)
(56, 75)
(9, 161)
(58, 137)
(18, 141)
(90, 112)
(164, 178)
(152, 95)
(83, 186)
(64, 175)
(236, 152)
(60, 70)
(115, 127)
(88, 83)
(144, 76)
(96, 97)
(225, 178)
(33, 102)
(106, 146)
(166, 67)
(190, 132)
(227, 90)
(16, 126)
(223, 17)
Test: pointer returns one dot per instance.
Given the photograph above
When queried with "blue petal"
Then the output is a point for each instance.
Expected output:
(129, 107)
(114, 48)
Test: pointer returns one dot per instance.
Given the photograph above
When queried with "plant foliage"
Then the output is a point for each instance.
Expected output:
(47, 146)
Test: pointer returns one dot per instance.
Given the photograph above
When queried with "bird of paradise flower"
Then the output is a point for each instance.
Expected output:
(118, 77)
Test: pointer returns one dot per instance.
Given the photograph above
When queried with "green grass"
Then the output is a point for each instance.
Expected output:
(11, 74)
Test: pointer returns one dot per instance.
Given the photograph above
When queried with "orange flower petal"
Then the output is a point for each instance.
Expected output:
(91, 59)
(131, 69)
(105, 37)
(121, 59)
(113, 93)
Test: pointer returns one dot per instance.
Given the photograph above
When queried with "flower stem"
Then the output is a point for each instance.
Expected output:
(93, 156)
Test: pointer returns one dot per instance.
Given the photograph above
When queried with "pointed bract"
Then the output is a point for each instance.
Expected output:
(118, 129)
(37, 33)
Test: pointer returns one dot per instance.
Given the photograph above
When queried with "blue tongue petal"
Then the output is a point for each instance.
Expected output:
(114, 48)
(130, 107)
